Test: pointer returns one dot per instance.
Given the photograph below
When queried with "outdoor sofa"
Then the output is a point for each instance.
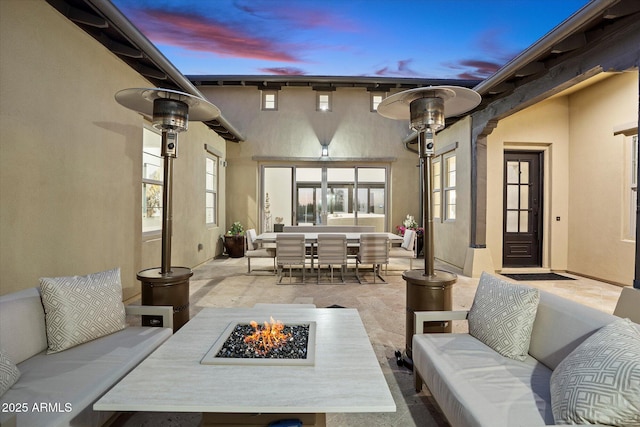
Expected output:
(531, 358)
(55, 380)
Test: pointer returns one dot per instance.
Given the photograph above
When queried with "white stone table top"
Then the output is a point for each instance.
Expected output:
(346, 376)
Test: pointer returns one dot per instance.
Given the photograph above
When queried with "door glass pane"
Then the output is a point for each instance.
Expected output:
(512, 173)
(376, 204)
(363, 200)
(512, 221)
(512, 197)
(524, 172)
(277, 184)
(306, 206)
(371, 181)
(524, 221)
(524, 197)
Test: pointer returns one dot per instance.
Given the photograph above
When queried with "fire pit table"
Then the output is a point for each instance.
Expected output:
(345, 375)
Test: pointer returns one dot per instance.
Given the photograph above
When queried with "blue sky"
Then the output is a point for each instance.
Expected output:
(467, 39)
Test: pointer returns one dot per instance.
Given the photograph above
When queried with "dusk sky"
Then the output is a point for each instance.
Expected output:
(457, 39)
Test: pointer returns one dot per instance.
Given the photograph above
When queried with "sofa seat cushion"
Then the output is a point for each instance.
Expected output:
(475, 386)
(73, 379)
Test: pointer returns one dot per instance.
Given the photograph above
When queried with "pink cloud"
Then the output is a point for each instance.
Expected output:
(402, 69)
(202, 34)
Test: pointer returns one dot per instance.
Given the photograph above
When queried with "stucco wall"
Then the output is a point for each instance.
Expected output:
(70, 159)
(451, 238)
(542, 127)
(597, 245)
(297, 130)
(584, 175)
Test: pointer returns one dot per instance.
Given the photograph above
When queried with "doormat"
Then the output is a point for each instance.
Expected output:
(537, 276)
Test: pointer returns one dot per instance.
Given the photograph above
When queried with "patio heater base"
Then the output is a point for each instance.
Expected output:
(427, 293)
(171, 288)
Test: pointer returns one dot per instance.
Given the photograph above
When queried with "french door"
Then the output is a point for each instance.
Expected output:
(522, 227)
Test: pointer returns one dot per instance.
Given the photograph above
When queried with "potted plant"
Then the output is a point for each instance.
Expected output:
(234, 240)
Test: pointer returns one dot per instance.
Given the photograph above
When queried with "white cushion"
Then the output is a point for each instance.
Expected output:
(475, 386)
(599, 382)
(502, 316)
(22, 329)
(251, 239)
(407, 240)
(9, 373)
(82, 308)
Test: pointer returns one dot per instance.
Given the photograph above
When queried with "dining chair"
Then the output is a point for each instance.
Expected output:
(374, 249)
(257, 250)
(406, 249)
(332, 250)
(290, 251)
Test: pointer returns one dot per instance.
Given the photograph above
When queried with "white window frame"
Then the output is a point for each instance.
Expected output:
(151, 151)
(437, 187)
(449, 188)
(212, 155)
(324, 101)
(375, 99)
(212, 163)
(269, 104)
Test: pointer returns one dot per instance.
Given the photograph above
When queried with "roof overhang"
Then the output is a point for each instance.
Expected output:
(105, 23)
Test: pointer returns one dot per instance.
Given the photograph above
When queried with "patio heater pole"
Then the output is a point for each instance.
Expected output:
(430, 289)
(169, 110)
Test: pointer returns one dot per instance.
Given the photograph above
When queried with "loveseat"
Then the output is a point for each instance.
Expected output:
(578, 363)
(59, 388)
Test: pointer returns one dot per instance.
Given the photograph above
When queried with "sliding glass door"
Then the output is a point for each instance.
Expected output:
(309, 195)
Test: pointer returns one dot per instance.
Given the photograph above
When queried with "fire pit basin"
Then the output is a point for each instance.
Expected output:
(229, 349)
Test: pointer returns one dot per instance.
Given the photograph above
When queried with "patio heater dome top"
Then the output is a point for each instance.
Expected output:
(457, 100)
(143, 100)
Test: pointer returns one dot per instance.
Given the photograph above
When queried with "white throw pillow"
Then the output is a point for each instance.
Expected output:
(9, 373)
(502, 316)
(599, 381)
(82, 308)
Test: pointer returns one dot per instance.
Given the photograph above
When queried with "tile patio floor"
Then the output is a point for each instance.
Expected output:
(224, 282)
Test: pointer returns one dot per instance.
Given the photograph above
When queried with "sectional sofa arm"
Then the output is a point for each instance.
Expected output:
(166, 311)
(438, 316)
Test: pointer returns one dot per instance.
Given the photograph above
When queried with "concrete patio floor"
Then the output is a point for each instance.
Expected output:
(224, 282)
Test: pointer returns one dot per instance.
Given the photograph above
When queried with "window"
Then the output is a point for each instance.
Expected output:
(443, 168)
(376, 99)
(327, 195)
(152, 180)
(323, 101)
(437, 189)
(211, 190)
(450, 187)
(269, 100)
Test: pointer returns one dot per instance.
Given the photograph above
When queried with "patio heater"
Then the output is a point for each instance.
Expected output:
(170, 111)
(426, 108)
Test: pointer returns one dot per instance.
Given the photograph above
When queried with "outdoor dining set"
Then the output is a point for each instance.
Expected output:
(315, 247)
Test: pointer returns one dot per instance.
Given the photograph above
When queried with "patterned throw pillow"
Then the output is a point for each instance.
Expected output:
(502, 316)
(599, 381)
(9, 373)
(82, 308)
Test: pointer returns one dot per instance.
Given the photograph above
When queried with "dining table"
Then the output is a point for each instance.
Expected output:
(311, 238)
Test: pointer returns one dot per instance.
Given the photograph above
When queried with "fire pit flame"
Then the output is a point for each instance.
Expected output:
(266, 337)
